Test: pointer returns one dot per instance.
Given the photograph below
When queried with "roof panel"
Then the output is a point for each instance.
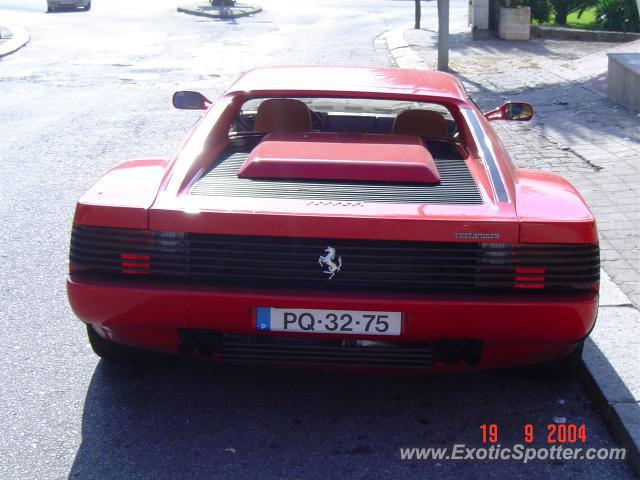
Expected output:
(349, 79)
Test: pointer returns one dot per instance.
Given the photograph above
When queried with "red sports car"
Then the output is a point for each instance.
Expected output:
(361, 218)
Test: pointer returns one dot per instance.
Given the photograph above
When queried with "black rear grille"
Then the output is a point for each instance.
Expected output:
(352, 353)
(367, 265)
(456, 187)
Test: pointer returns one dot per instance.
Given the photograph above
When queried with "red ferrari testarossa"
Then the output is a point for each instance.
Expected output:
(366, 218)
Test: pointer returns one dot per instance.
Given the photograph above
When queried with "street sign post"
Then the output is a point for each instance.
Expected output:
(443, 35)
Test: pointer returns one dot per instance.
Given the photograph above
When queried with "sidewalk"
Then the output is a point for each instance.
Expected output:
(578, 133)
(12, 38)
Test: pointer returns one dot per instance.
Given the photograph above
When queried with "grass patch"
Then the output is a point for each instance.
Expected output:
(587, 20)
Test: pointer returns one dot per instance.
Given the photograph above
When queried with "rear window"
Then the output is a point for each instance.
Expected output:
(354, 115)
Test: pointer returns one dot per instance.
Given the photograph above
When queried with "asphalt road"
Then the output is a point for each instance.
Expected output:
(93, 89)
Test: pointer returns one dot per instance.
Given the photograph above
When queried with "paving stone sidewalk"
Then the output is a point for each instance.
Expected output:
(577, 131)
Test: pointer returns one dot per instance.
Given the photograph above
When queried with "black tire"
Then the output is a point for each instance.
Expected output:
(116, 352)
(562, 368)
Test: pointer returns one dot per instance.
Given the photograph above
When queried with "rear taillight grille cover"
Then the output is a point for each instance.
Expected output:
(367, 265)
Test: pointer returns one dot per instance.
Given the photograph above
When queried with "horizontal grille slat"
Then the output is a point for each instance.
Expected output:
(362, 278)
(457, 186)
(166, 260)
(367, 265)
(237, 248)
(313, 352)
(262, 348)
(363, 356)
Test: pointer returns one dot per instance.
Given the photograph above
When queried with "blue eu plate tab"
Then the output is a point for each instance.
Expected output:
(263, 319)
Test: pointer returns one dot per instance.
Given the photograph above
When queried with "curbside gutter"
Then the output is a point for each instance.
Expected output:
(623, 418)
(611, 356)
(20, 37)
(610, 372)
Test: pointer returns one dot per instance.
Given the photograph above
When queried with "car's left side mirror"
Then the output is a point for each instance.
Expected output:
(188, 100)
(519, 111)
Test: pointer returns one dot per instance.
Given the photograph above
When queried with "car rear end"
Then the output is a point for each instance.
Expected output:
(400, 276)
(264, 298)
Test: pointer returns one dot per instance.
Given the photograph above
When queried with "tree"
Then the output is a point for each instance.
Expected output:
(443, 31)
(564, 7)
(540, 9)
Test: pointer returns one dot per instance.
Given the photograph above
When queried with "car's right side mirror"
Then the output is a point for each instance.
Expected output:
(519, 111)
(188, 100)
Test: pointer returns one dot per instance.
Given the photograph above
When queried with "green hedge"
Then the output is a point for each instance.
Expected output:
(613, 15)
(618, 15)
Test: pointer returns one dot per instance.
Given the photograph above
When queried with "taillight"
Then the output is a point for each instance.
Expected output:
(133, 264)
(529, 278)
(546, 267)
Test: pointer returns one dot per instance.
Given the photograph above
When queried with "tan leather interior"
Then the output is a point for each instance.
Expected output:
(423, 123)
(282, 115)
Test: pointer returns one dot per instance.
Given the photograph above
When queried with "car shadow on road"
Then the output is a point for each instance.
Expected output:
(185, 418)
(612, 395)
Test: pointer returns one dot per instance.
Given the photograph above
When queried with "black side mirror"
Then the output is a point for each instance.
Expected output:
(188, 100)
(519, 111)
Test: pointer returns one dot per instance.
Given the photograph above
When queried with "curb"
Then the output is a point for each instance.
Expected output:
(20, 39)
(610, 359)
(402, 52)
(563, 33)
(206, 10)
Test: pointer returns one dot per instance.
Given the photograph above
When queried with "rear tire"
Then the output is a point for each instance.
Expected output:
(117, 352)
(562, 368)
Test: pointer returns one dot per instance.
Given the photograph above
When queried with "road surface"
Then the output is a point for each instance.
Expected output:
(93, 89)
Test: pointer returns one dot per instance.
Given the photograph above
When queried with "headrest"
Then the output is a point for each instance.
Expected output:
(423, 123)
(282, 115)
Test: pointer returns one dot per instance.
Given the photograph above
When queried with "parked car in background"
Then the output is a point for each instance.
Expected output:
(338, 217)
(69, 4)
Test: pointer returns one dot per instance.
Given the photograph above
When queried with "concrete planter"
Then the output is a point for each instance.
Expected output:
(515, 23)
(623, 79)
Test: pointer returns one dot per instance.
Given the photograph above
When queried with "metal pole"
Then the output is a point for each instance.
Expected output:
(443, 35)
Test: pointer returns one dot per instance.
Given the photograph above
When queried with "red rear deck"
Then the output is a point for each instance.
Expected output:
(341, 156)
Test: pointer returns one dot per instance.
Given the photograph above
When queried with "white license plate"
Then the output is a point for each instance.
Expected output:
(354, 322)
